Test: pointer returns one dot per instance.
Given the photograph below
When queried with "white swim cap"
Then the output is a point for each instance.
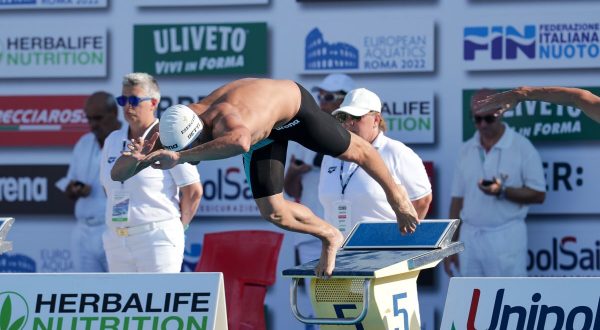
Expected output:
(179, 126)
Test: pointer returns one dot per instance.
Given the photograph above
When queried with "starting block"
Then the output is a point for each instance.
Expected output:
(5, 225)
(374, 283)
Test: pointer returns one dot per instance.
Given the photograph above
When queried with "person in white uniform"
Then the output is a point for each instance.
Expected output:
(347, 192)
(498, 174)
(146, 215)
(83, 177)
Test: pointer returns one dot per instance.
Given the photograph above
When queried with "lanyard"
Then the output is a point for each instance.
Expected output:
(344, 185)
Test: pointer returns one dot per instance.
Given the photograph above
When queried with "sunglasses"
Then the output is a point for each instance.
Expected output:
(488, 119)
(330, 97)
(133, 100)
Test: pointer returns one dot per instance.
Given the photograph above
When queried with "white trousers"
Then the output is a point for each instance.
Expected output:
(158, 250)
(494, 251)
(88, 249)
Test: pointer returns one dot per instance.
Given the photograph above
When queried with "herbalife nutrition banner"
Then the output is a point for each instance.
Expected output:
(528, 42)
(388, 46)
(541, 121)
(42, 120)
(51, 4)
(113, 301)
(522, 303)
(410, 117)
(53, 51)
(201, 49)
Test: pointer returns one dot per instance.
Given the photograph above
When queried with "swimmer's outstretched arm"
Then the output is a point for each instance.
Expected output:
(131, 162)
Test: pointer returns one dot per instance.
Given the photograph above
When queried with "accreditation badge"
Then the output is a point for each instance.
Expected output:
(120, 206)
(342, 212)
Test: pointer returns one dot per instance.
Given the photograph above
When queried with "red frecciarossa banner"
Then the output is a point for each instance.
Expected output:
(42, 120)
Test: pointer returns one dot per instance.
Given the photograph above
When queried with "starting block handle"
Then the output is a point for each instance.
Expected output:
(328, 320)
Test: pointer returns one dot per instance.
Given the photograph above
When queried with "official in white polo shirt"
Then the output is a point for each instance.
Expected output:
(147, 214)
(348, 194)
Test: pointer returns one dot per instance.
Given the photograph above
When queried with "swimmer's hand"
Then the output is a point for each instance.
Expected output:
(162, 159)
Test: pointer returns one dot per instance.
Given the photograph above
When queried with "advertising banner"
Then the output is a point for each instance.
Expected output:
(540, 121)
(53, 51)
(200, 49)
(117, 301)
(29, 189)
(52, 4)
(389, 46)
(522, 303)
(188, 3)
(42, 120)
(226, 190)
(409, 116)
(532, 43)
(563, 247)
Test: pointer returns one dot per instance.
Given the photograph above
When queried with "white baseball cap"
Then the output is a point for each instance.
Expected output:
(179, 126)
(336, 82)
(359, 102)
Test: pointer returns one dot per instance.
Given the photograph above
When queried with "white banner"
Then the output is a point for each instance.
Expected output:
(522, 303)
(51, 4)
(532, 43)
(226, 191)
(113, 301)
(563, 247)
(572, 177)
(171, 3)
(53, 51)
(389, 46)
(409, 115)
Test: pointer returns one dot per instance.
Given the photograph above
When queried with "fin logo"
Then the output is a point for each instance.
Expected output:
(14, 311)
(322, 55)
(500, 42)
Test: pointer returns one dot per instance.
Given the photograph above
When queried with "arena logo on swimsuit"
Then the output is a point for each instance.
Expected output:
(288, 125)
(535, 316)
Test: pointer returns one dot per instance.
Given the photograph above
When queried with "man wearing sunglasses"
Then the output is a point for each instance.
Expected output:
(498, 175)
(257, 118)
(582, 99)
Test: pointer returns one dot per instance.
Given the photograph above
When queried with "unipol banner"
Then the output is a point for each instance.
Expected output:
(409, 116)
(200, 49)
(563, 246)
(52, 4)
(522, 303)
(113, 301)
(540, 121)
(53, 51)
(189, 3)
(532, 42)
(42, 120)
(388, 46)
(226, 190)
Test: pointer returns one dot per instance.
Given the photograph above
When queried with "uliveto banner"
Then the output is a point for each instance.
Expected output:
(226, 190)
(388, 46)
(42, 120)
(568, 41)
(51, 4)
(540, 121)
(53, 51)
(522, 303)
(200, 49)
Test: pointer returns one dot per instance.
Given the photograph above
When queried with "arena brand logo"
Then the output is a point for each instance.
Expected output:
(565, 254)
(322, 55)
(536, 316)
(14, 311)
(500, 42)
(288, 125)
(23, 189)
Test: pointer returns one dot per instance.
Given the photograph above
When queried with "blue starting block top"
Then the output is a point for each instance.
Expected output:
(377, 249)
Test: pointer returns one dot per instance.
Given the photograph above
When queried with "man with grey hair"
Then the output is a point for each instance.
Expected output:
(147, 215)
(84, 184)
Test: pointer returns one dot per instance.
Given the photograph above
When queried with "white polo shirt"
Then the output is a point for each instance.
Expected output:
(154, 194)
(514, 160)
(85, 167)
(365, 196)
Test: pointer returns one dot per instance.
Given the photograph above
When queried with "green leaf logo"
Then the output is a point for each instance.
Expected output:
(13, 311)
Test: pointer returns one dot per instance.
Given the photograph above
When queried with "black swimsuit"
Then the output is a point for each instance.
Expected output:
(311, 127)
